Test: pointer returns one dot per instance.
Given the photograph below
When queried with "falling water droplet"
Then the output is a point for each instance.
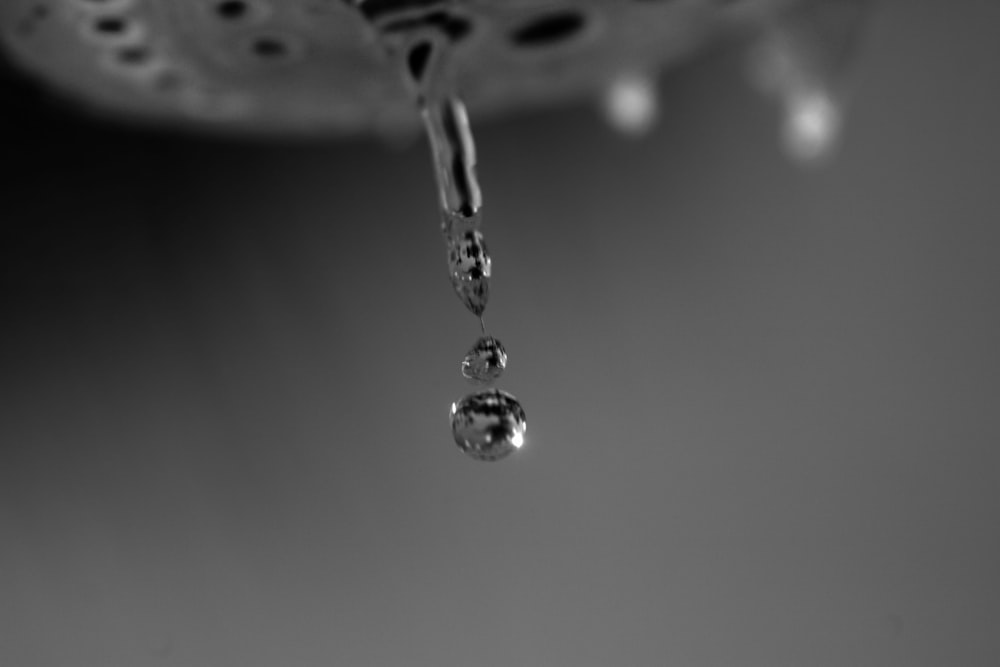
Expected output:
(488, 425)
(630, 104)
(485, 361)
(469, 267)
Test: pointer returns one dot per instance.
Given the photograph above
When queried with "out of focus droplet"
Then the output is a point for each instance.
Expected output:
(802, 63)
(488, 425)
(811, 126)
(630, 104)
(485, 361)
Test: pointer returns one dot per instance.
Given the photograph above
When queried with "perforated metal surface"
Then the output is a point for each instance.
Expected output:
(317, 65)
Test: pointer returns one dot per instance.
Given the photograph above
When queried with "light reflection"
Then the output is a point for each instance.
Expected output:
(518, 438)
(812, 125)
(630, 104)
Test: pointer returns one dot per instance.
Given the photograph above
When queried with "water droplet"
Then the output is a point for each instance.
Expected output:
(801, 61)
(488, 425)
(485, 361)
(812, 125)
(630, 104)
(469, 267)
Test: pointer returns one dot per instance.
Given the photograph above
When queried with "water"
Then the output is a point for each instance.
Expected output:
(791, 66)
(485, 361)
(469, 269)
(446, 123)
(454, 153)
(488, 425)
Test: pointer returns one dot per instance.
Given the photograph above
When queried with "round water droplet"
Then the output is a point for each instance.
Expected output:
(488, 425)
(469, 267)
(485, 361)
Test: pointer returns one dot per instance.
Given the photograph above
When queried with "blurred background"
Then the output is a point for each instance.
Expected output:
(762, 401)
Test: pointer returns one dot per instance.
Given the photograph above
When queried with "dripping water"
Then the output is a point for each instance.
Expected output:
(489, 424)
(485, 361)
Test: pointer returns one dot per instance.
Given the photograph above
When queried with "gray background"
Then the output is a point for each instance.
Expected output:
(762, 402)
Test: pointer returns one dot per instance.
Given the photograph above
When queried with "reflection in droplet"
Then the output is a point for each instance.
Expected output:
(485, 361)
(488, 425)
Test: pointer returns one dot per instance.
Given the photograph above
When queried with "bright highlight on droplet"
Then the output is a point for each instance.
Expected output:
(812, 125)
(488, 425)
(630, 104)
(518, 439)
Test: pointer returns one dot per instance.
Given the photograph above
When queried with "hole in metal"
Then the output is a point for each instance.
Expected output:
(269, 47)
(418, 58)
(110, 25)
(232, 10)
(549, 29)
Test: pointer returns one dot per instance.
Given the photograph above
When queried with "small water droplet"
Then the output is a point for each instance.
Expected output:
(485, 361)
(488, 425)
(469, 267)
